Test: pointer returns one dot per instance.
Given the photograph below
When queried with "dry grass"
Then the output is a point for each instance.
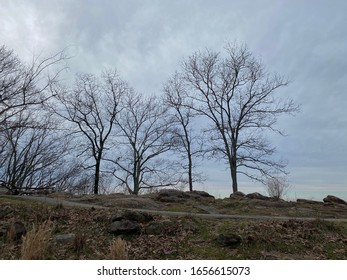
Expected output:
(118, 249)
(80, 242)
(36, 242)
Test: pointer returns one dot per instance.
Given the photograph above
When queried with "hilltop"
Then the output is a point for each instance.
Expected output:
(171, 225)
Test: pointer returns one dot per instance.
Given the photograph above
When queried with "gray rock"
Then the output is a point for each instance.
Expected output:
(171, 196)
(124, 227)
(199, 195)
(237, 195)
(229, 240)
(65, 238)
(159, 227)
(137, 216)
(257, 195)
(140, 217)
(334, 199)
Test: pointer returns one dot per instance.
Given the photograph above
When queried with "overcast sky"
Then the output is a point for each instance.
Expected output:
(305, 41)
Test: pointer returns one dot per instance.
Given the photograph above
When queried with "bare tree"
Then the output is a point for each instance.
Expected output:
(23, 85)
(92, 107)
(32, 156)
(145, 138)
(239, 99)
(188, 143)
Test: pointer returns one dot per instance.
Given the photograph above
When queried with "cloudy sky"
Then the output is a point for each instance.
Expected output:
(305, 41)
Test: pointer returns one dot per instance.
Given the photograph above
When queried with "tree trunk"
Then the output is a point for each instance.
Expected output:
(234, 178)
(97, 177)
(190, 163)
(190, 172)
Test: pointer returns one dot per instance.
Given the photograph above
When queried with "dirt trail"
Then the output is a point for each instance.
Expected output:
(66, 203)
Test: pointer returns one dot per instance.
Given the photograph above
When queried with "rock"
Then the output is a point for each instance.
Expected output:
(237, 195)
(200, 195)
(124, 227)
(180, 196)
(65, 238)
(159, 227)
(334, 199)
(16, 230)
(171, 196)
(256, 195)
(230, 240)
(136, 216)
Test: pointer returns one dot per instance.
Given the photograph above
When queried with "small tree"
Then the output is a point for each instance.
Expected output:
(277, 187)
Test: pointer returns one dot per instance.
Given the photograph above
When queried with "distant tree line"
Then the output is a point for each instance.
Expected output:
(99, 132)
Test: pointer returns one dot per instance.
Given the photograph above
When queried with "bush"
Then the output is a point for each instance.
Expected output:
(277, 187)
(118, 249)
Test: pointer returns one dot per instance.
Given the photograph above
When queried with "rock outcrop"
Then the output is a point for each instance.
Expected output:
(257, 195)
(124, 227)
(334, 199)
(175, 196)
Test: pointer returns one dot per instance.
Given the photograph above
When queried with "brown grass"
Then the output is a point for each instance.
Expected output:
(80, 242)
(36, 242)
(118, 249)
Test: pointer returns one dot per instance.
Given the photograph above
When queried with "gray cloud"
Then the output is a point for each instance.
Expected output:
(146, 40)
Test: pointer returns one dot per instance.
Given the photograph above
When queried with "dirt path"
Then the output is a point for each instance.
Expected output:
(57, 201)
(66, 203)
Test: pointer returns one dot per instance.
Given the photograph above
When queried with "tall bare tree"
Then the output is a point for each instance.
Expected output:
(240, 100)
(92, 107)
(188, 143)
(24, 85)
(145, 139)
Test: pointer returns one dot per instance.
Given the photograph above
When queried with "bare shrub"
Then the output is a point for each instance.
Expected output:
(36, 242)
(277, 187)
(118, 249)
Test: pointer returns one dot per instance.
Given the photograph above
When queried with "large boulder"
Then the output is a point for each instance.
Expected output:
(171, 196)
(237, 195)
(257, 195)
(124, 227)
(334, 199)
